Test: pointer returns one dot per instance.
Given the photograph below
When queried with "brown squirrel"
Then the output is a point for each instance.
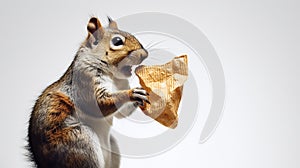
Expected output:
(71, 120)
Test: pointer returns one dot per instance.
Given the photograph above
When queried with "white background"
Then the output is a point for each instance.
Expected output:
(258, 45)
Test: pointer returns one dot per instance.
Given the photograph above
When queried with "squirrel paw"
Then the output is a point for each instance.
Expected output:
(139, 95)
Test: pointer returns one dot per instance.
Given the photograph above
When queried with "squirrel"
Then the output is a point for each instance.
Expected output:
(69, 126)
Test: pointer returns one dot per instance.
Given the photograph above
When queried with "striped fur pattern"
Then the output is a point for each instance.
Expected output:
(70, 122)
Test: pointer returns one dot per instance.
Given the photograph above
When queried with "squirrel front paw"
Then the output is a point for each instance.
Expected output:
(139, 96)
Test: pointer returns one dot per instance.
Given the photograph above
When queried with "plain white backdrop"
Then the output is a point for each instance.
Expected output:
(258, 45)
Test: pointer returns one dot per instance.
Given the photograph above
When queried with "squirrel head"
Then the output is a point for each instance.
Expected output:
(115, 50)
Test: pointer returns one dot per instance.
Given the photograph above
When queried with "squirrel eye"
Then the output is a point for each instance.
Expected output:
(117, 42)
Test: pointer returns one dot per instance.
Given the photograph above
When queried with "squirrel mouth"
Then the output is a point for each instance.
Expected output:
(127, 70)
(133, 58)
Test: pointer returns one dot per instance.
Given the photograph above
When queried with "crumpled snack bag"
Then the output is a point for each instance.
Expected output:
(164, 83)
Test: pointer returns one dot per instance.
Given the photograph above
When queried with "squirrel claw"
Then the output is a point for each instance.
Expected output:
(140, 95)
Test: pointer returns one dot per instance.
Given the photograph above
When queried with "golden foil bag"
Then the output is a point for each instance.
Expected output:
(164, 83)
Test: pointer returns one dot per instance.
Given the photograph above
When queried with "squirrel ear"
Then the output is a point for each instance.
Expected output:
(112, 24)
(95, 30)
(94, 25)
